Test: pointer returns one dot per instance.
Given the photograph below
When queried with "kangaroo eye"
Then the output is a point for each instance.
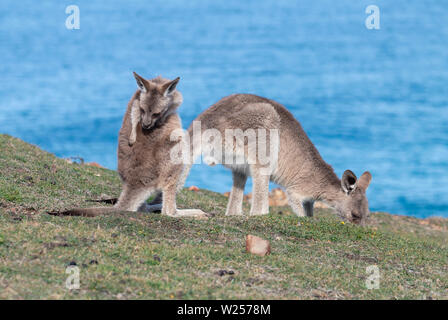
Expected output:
(142, 111)
(155, 115)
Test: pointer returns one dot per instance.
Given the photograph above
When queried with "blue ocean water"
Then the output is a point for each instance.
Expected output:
(372, 100)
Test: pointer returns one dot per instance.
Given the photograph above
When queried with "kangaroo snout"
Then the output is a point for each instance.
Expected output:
(356, 218)
(359, 218)
(147, 125)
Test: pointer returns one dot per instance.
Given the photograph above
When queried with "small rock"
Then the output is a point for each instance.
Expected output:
(277, 197)
(222, 273)
(75, 160)
(247, 197)
(94, 164)
(257, 246)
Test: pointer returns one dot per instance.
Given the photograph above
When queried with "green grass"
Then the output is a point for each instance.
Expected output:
(137, 255)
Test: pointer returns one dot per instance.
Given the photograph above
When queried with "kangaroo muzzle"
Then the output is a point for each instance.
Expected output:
(147, 124)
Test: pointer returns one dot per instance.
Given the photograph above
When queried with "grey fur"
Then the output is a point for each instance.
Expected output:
(144, 145)
(300, 169)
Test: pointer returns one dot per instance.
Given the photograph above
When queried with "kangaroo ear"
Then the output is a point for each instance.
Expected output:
(170, 87)
(141, 83)
(348, 181)
(364, 180)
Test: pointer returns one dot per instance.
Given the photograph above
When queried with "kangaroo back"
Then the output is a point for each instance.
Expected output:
(299, 168)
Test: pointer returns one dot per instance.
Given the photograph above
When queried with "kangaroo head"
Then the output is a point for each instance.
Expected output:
(158, 99)
(354, 205)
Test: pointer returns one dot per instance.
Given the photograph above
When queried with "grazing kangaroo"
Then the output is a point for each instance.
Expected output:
(300, 169)
(144, 146)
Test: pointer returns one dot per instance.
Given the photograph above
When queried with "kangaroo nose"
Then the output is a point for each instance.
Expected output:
(146, 126)
(356, 215)
(356, 218)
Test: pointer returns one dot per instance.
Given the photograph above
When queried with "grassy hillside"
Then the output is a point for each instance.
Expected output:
(136, 255)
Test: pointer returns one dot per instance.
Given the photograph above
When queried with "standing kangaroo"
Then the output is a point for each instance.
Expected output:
(300, 169)
(144, 146)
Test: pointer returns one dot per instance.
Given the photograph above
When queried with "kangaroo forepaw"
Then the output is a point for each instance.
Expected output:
(132, 138)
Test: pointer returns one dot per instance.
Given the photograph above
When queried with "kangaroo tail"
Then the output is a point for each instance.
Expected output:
(84, 212)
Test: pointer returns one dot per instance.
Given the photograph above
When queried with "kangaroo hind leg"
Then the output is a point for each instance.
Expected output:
(235, 204)
(169, 205)
(260, 191)
(131, 199)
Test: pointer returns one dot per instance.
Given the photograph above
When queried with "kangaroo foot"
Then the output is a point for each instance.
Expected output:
(194, 213)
